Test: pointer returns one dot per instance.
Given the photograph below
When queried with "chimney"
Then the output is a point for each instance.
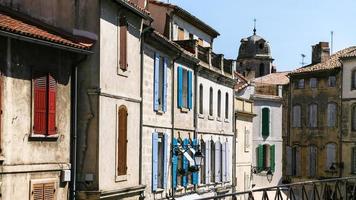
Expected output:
(320, 52)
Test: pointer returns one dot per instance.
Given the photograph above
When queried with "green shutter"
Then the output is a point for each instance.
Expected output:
(272, 158)
(260, 157)
(265, 122)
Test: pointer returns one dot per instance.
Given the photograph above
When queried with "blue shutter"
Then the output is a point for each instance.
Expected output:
(165, 161)
(180, 87)
(185, 164)
(165, 85)
(190, 90)
(195, 174)
(156, 83)
(154, 161)
(174, 164)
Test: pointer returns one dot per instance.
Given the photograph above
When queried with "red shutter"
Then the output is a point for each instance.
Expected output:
(123, 43)
(40, 108)
(52, 88)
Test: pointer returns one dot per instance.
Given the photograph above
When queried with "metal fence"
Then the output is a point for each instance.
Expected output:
(327, 189)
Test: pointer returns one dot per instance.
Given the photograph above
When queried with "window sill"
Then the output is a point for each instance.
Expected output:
(218, 119)
(123, 73)
(121, 178)
(159, 112)
(227, 121)
(210, 117)
(201, 116)
(40, 137)
(159, 190)
(184, 110)
(179, 188)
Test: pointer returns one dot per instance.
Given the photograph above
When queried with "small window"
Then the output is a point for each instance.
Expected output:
(265, 118)
(301, 84)
(330, 155)
(353, 83)
(332, 81)
(201, 99)
(211, 102)
(313, 115)
(297, 116)
(332, 113)
(312, 160)
(262, 69)
(227, 105)
(219, 104)
(41, 190)
(122, 141)
(123, 43)
(313, 83)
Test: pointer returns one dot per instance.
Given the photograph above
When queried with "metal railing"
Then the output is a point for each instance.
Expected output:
(327, 189)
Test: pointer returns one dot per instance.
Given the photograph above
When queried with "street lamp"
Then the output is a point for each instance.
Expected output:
(198, 158)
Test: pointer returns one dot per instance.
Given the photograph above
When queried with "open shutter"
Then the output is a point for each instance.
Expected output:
(190, 90)
(40, 105)
(165, 161)
(154, 161)
(195, 174)
(265, 122)
(123, 43)
(185, 164)
(217, 162)
(52, 89)
(272, 158)
(207, 161)
(156, 83)
(165, 85)
(288, 160)
(260, 157)
(223, 161)
(180, 87)
(174, 164)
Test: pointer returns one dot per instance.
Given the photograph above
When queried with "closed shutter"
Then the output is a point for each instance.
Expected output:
(40, 105)
(223, 161)
(156, 83)
(228, 153)
(165, 160)
(272, 157)
(165, 85)
(37, 192)
(154, 161)
(48, 191)
(185, 164)
(180, 87)
(288, 160)
(217, 162)
(195, 174)
(122, 141)
(190, 90)
(174, 164)
(123, 43)
(298, 161)
(43, 191)
(265, 122)
(52, 89)
(207, 161)
(353, 159)
(260, 157)
(312, 161)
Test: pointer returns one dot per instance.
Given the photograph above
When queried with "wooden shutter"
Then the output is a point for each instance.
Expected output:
(52, 89)
(174, 164)
(226, 106)
(123, 43)
(265, 122)
(185, 164)
(40, 106)
(272, 158)
(190, 90)
(219, 104)
(223, 161)
(217, 162)
(37, 191)
(154, 161)
(165, 160)
(48, 191)
(43, 191)
(165, 84)
(207, 161)
(156, 83)
(180, 86)
(122, 141)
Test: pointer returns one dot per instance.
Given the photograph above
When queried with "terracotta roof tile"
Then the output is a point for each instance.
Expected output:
(350, 54)
(146, 12)
(332, 63)
(278, 78)
(13, 25)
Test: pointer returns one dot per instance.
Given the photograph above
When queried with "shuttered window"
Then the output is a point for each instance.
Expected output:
(159, 161)
(185, 88)
(330, 155)
(219, 103)
(211, 96)
(272, 158)
(288, 159)
(353, 118)
(313, 115)
(201, 99)
(353, 83)
(265, 122)
(296, 161)
(45, 88)
(260, 158)
(43, 191)
(226, 106)
(217, 162)
(212, 162)
(332, 81)
(312, 161)
(331, 114)
(207, 161)
(297, 116)
(160, 83)
(123, 43)
(122, 141)
(203, 164)
(353, 160)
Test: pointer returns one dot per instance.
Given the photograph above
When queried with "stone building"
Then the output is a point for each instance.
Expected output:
(38, 65)
(315, 141)
(254, 58)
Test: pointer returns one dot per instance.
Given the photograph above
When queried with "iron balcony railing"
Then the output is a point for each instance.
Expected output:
(327, 189)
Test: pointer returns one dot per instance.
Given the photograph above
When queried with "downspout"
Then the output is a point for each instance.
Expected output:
(341, 164)
(234, 118)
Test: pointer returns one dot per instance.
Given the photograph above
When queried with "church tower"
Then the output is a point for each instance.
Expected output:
(254, 59)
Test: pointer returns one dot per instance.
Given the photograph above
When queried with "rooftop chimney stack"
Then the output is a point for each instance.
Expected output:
(320, 52)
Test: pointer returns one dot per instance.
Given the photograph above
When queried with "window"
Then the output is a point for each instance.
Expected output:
(181, 34)
(353, 79)
(313, 115)
(288, 158)
(160, 83)
(247, 140)
(226, 106)
(159, 160)
(123, 43)
(41, 190)
(330, 155)
(262, 69)
(312, 160)
(353, 160)
(185, 93)
(265, 122)
(200, 42)
(212, 162)
(219, 103)
(332, 81)
(297, 116)
(211, 102)
(331, 112)
(296, 161)
(203, 171)
(122, 141)
(218, 161)
(313, 83)
(299, 84)
(265, 157)
(45, 88)
(201, 98)
(353, 118)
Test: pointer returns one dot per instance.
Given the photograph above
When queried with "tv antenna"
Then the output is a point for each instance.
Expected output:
(332, 42)
(303, 57)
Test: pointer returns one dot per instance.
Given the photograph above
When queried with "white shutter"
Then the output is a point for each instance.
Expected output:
(228, 165)
(223, 161)
(217, 162)
(207, 161)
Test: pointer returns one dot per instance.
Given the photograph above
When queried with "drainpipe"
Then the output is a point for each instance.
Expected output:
(234, 118)
(341, 164)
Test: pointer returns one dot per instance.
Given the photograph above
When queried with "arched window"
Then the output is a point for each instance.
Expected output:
(313, 150)
(265, 122)
(353, 118)
(227, 105)
(203, 165)
(330, 155)
(211, 102)
(313, 115)
(219, 103)
(201, 104)
(262, 69)
(297, 111)
(353, 83)
(332, 113)
(122, 144)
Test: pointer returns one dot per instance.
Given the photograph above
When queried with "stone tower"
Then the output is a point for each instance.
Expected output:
(254, 59)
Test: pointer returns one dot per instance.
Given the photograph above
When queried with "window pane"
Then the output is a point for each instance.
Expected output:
(227, 106)
(265, 122)
(219, 103)
(211, 102)
(301, 83)
(332, 81)
(313, 82)
(160, 162)
(201, 99)
(331, 114)
(330, 155)
(160, 86)
(313, 115)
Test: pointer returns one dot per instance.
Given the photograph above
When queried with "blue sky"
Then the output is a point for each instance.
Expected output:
(290, 26)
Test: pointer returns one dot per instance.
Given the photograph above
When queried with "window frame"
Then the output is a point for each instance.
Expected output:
(219, 104)
(335, 114)
(330, 82)
(201, 99)
(227, 106)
